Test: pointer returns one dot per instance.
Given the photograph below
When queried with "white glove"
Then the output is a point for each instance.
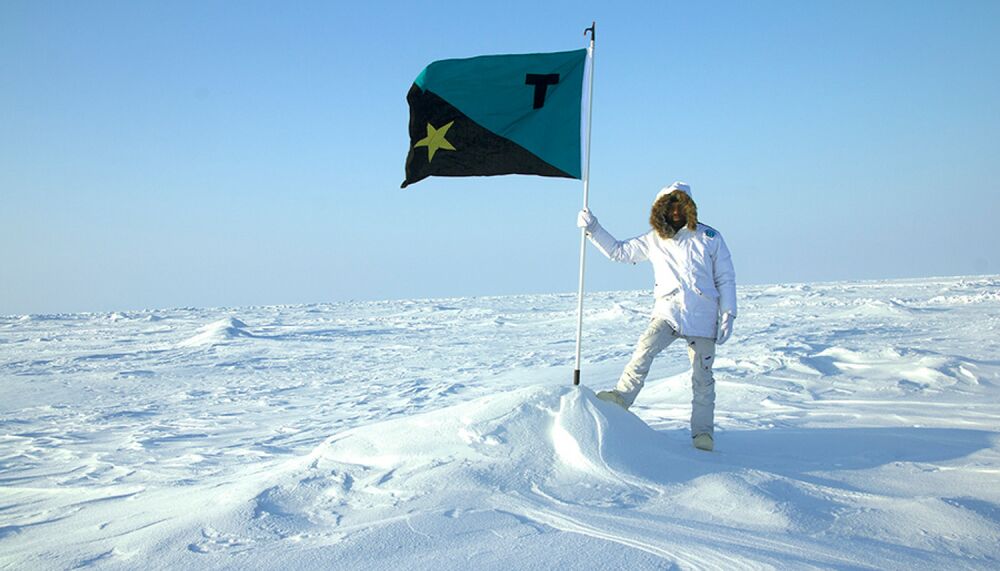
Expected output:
(725, 328)
(585, 219)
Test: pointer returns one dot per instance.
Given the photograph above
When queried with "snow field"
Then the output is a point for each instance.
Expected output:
(857, 427)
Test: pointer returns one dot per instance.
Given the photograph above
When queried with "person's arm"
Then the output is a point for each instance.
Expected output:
(725, 278)
(632, 250)
(725, 283)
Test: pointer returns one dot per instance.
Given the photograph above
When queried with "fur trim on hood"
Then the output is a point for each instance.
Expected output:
(658, 216)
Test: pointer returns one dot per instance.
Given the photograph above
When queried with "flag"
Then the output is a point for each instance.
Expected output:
(497, 114)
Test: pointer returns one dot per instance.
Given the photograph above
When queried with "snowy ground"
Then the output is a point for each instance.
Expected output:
(858, 426)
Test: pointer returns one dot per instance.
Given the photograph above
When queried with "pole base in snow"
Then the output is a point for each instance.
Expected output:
(576, 377)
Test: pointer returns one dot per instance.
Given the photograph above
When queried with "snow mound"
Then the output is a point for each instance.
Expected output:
(518, 465)
(469, 476)
(534, 438)
(217, 332)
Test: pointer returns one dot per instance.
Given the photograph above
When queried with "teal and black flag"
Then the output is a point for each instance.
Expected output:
(497, 114)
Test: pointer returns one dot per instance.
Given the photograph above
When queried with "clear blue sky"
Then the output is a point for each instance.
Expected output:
(163, 154)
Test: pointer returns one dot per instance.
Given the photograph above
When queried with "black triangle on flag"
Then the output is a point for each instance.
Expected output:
(445, 142)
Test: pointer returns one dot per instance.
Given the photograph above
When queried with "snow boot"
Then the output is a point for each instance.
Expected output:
(704, 442)
(614, 397)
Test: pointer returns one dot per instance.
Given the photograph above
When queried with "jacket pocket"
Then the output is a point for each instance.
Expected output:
(670, 294)
(713, 296)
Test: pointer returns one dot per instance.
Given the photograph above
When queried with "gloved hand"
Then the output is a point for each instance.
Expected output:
(725, 328)
(585, 219)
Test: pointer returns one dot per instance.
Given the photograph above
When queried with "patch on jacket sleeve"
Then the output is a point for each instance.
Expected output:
(710, 233)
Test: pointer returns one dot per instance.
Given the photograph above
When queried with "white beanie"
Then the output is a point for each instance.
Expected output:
(677, 185)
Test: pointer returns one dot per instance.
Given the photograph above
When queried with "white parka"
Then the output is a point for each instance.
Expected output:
(695, 279)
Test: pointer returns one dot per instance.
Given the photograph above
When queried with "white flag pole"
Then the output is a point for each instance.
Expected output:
(586, 194)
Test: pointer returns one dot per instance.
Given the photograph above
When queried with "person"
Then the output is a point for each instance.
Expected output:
(695, 298)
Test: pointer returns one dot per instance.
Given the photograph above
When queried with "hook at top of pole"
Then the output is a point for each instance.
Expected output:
(593, 31)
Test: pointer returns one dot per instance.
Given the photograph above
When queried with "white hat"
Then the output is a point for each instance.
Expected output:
(677, 185)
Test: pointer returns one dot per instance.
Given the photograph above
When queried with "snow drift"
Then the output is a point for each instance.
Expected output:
(218, 332)
(856, 428)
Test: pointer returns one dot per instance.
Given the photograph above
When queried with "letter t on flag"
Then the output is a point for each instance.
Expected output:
(496, 115)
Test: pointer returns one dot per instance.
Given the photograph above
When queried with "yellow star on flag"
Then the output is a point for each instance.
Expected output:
(435, 140)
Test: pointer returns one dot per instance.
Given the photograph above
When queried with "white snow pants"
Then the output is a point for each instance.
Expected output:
(701, 351)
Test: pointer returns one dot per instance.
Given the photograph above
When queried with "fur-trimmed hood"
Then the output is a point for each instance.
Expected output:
(658, 216)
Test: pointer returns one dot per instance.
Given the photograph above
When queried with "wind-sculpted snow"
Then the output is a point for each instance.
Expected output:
(217, 332)
(857, 427)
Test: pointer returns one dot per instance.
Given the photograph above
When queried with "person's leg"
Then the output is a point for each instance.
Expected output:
(701, 351)
(656, 338)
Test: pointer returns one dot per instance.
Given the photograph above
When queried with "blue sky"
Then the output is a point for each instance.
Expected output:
(225, 154)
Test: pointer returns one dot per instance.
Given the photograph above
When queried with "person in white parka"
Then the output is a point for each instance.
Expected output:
(695, 298)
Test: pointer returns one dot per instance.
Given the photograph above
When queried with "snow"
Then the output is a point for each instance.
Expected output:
(857, 427)
(218, 332)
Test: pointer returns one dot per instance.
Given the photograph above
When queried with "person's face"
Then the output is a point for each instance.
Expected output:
(675, 213)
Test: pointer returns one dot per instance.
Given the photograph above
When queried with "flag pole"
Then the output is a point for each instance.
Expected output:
(592, 30)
